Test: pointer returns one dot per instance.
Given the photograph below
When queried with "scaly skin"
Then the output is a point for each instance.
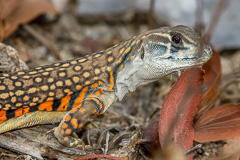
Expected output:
(70, 92)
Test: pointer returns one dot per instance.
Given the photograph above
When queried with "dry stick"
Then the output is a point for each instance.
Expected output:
(193, 149)
(150, 15)
(199, 17)
(215, 18)
(46, 42)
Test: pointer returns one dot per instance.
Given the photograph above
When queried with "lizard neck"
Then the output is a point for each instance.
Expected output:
(135, 74)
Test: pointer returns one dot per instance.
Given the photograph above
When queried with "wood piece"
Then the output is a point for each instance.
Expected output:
(38, 143)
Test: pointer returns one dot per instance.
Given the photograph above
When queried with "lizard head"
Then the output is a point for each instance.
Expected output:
(172, 49)
(161, 52)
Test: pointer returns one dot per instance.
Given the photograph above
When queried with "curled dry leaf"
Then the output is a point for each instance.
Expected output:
(212, 79)
(150, 140)
(16, 12)
(218, 123)
(178, 110)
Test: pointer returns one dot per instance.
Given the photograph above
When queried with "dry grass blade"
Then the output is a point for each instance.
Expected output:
(219, 9)
(41, 38)
(199, 17)
(150, 15)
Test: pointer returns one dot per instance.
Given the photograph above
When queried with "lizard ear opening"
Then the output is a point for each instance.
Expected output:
(142, 53)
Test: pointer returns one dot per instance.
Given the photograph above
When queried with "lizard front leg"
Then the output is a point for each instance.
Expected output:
(76, 118)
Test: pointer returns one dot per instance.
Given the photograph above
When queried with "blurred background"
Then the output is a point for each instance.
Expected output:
(47, 31)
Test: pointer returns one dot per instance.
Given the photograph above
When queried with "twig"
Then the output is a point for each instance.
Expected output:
(46, 42)
(199, 17)
(215, 18)
(150, 15)
(107, 141)
(194, 149)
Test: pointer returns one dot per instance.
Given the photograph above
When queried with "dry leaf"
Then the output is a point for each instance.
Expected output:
(21, 12)
(7, 7)
(150, 139)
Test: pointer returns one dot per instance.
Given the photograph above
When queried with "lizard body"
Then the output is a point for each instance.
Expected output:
(70, 92)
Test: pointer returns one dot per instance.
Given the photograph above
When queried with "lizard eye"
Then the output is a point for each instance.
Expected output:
(176, 39)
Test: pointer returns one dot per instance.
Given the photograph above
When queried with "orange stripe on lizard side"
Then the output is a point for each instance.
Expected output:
(111, 82)
(78, 101)
(64, 103)
(3, 116)
(19, 112)
(47, 106)
(26, 110)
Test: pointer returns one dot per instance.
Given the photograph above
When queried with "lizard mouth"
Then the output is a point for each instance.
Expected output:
(201, 57)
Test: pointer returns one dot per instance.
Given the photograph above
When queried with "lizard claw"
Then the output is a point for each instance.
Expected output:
(70, 141)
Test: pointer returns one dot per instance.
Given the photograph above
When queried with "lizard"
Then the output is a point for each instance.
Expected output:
(70, 92)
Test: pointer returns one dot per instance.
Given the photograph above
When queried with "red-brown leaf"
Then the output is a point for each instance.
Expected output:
(212, 79)
(218, 124)
(179, 108)
(20, 12)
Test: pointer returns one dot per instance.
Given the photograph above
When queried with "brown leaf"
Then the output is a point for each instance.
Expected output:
(179, 108)
(7, 7)
(212, 79)
(218, 124)
(23, 11)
